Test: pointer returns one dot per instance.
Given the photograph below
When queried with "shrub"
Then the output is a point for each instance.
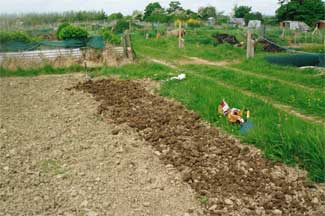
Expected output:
(193, 22)
(62, 26)
(72, 32)
(115, 16)
(14, 36)
(110, 37)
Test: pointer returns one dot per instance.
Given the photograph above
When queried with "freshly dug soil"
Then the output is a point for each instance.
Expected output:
(229, 178)
(58, 157)
(225, 38)
(270, 47)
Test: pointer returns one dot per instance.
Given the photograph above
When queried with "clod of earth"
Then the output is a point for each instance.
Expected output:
(226, 38)
(232, 177)
(270, 47)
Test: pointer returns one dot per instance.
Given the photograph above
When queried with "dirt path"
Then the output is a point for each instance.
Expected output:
(275, 104)
(231, 179)
(58, 157)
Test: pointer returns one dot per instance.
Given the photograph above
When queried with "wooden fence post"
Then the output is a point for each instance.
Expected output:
(180, 35)
(250, 45)
(124, 45)
(127, 46)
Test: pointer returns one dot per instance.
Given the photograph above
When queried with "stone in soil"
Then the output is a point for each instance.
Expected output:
(212, 164)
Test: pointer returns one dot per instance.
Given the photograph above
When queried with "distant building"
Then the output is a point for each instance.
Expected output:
(295, 25)
(320, 24)
(211, 21)
(254, 24)
(112, 24)
(239, 22)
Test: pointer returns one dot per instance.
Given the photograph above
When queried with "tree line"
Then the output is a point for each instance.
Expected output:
(308, 11)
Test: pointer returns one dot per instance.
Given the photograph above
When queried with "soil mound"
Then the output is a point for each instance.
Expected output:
(230, 179)
(226, 38)
(269, 46)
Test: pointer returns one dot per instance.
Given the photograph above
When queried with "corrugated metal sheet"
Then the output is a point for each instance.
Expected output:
(118, 50)
(42, 54)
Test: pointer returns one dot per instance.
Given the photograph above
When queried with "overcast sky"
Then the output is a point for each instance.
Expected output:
(267, 7)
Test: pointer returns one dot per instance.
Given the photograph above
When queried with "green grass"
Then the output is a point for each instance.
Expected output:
(140, 70)
(306, 77)
(167, 48)
(47, 69)
(282, 136)
(306, 101)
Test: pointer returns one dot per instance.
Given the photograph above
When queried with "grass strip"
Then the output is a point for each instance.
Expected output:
(140, 70)
(307, 77)
(47, 69)
(167, 48)
(308, 102)
(281, 136)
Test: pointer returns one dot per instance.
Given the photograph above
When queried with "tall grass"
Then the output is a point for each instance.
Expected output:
(47, 69)
(282, 136)
(167, 48)
(140, 70)
(306, 101)
(306, 77)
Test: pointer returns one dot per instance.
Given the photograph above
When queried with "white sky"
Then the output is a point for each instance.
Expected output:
(267, 7)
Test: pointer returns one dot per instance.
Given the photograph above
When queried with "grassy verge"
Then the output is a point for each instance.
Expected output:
(139, 70)
(282, 136)
(166, 48)
(47, 69)
(306, 77)
(309, 102)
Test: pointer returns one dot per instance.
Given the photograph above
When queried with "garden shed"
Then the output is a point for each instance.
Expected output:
(320, 24)
(239, 22)
(254, 24)
(211, 21)
(295, 25)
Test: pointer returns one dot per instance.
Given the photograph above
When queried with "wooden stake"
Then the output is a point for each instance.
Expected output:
(250, 45)
(180, 34)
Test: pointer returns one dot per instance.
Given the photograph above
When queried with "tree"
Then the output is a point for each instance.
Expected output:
(221, 18)
(308, 11)
(253, 16)
(270, 20)
(206, 12)
(115, 16)
(242, 11)
(191, 14)
(150, 8)
(137, 15)
(121, 26)
(158, 15)
(174, 6)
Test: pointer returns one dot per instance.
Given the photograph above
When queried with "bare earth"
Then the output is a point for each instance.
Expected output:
(58, 157)
(144, 155)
